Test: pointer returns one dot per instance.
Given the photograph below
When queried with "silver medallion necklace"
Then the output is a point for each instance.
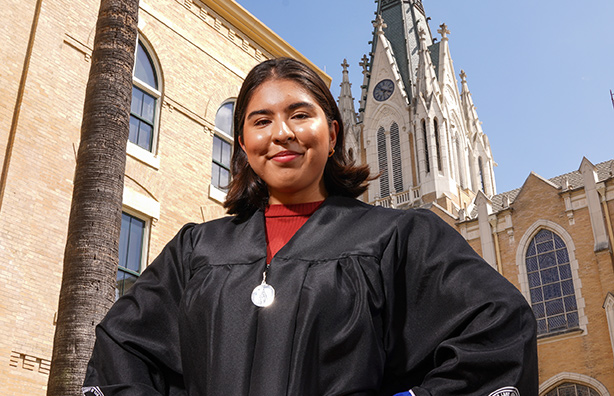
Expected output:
(263, 294)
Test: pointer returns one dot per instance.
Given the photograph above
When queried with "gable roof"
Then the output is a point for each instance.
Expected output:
(574, 179)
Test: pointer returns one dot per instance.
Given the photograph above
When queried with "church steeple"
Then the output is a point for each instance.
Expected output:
(346, 101)
(404, 19)
(414, 128)
(348, 114)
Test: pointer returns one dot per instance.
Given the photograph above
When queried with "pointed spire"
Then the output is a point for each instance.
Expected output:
(465, 87)
(425, 78)
(345, 66)
(471, 115)
(364, 63)
(346, 101)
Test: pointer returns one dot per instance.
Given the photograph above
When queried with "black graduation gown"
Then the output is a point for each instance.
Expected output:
(369, 301)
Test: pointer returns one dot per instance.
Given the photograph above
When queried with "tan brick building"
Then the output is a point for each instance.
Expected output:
(553, 239)
(192, 59)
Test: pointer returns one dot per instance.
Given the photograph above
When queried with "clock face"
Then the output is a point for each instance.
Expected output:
(383, 90)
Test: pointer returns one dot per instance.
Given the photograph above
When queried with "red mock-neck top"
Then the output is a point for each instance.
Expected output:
(283, 221)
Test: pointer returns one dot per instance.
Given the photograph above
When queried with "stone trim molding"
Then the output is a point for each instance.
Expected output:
(566, 376)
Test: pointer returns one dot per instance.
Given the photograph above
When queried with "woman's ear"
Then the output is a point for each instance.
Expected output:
(241, 143)
(334, 130)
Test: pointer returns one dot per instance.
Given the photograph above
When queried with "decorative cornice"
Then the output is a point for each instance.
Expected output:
(242, 20)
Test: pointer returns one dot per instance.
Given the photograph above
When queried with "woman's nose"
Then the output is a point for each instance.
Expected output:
(283, 133)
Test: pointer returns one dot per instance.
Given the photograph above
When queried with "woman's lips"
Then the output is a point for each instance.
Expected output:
(285, 156)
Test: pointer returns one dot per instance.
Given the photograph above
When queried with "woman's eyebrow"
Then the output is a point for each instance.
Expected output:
(291, 107)
(298, 105)
(259, 112)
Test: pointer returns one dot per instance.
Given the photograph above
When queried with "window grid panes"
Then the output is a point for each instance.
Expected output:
(397, 165)
(551, 284)
(223, 118)
(131, 238)
(382, 157)
(143, 106)
(426, 147)
(222, 148)
(220, 171)
(437, 145)
(481, 174)
(571, 389)
(142, 112)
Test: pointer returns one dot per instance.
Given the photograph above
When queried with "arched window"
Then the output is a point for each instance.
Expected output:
(145, 98)
(397, 163)
(572, 389)
(481, 174)
(382, 158)
(222, 147)
(551, 284)
(437, 144)
(426, 147)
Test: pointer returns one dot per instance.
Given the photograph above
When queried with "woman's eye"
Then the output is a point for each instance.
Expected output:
(300, 116)
(261, 122)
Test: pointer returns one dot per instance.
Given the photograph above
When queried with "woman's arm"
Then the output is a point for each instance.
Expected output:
(136, 352)
(457, 327)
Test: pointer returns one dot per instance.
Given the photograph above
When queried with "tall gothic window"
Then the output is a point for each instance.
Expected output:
(145, 96)
(459, 155)
(481, 173)
(551, 284)
(572, 389)
(426, 147)
(382, 158)
(437, 145)
(397, 163)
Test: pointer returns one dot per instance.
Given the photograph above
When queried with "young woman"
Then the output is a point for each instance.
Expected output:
(307, 291)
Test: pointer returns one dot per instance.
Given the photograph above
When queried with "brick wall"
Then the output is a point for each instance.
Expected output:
(202, 59)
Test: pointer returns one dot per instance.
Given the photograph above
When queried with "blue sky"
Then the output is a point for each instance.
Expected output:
(540, 72)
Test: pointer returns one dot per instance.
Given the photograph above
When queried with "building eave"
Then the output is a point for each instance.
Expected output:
(244, 21)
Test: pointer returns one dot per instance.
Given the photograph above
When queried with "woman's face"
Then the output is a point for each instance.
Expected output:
(287, 140)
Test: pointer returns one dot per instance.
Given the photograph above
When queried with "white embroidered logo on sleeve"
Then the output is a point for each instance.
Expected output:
(92, 391)
(507, 391)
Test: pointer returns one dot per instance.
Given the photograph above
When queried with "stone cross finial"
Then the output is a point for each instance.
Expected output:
(463, 76)
(443, 30)
(365, 64)
(345, 65)
(379, 24)
(422, 34)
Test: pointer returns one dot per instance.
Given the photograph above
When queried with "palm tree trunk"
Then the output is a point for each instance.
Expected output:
(91, 254)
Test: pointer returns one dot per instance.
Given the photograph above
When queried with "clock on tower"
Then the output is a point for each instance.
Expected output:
(383, 90)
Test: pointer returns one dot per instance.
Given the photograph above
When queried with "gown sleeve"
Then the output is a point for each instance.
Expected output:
(136, 352)
(456, 326)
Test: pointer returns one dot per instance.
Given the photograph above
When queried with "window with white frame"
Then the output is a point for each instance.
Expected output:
(132, 249)
(551, 284)
(145, 98)
(222, 147)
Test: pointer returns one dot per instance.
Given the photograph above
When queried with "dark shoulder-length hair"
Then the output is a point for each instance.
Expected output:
(247, 192)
